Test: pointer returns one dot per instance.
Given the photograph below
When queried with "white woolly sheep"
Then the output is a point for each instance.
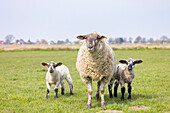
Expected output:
(95, 61)
(124, 74)
(55, 75)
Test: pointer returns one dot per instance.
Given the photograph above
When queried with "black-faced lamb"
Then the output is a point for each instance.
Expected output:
(56, 73)
(124, 74)
(95, 61)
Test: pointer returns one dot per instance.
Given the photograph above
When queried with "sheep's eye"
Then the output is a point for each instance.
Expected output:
(98, 38)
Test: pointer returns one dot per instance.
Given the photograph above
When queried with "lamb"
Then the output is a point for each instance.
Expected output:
(95, 61)
(55, 75)
(124, 74)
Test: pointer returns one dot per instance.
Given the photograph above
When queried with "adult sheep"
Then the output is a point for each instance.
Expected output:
(95, 61)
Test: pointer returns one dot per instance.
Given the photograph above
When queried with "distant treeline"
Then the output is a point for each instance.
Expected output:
(10, 39)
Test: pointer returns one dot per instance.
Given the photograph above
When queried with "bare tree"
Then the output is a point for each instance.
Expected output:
(164, 39)
(130, 39)
(138, 39)
(9, 38)
(151, 40)
(143, 40)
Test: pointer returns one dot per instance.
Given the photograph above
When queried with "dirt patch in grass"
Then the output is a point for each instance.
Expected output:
(110, 111)
(140, 107)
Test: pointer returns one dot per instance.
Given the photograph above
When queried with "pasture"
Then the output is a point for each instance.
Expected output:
(23, 84)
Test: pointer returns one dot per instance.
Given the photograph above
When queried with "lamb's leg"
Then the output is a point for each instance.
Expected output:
(48, 89)
(90, 90)
(122, 90)
(56, 89)
(98, 88)
(129, 89)
(70, 83)
(62, 87)
(102, 94)
(115, 88)
(110, 85)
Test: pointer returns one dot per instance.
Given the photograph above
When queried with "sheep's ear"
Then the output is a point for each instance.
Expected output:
(137, 61)
(45, 64)
(123, 61)
(58, 64)
(103, 37)
(81, 37)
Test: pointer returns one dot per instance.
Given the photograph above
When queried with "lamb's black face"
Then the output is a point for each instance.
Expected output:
(92, 40)
(51, 66)
(131, 63)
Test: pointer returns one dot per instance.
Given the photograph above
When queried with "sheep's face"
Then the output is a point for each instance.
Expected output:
(130, 63)
(51, 66)
(92, 40)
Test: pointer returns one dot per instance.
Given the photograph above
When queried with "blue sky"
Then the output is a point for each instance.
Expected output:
(61, 19)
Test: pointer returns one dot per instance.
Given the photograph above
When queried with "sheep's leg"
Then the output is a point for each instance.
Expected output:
(110, 85)
(56, 89)
(115, 88)
(102, 94)
(48, 89)
(62, 87)
(90, 90)
(98, 88)
(70, 83)
(122, 90)
(129, 89)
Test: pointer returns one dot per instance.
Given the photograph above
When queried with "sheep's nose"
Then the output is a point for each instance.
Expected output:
(90, 47)
(51, 70)
(130, 67)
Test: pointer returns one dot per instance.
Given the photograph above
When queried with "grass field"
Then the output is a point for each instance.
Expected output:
(23, 84)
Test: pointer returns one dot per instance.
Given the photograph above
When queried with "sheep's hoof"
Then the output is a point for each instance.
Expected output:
(97, 96)
(129, 97)
(103, 105)
(122, 98)
(47, 96)
(71, 93)
(56, 97)
(62, 93)
(115, 95)
(110, 96)
(88, 106)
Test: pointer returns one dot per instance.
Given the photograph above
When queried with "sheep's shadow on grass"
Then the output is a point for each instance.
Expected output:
(126, 101)
(110, 101)
(67, 95)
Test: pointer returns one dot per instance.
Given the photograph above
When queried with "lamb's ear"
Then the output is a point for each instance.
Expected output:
(81, 37)
(45, 64)
(58, 64)
(137, 61)
(123, 61)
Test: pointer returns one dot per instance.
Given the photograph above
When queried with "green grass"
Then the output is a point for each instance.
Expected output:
(23, 85)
